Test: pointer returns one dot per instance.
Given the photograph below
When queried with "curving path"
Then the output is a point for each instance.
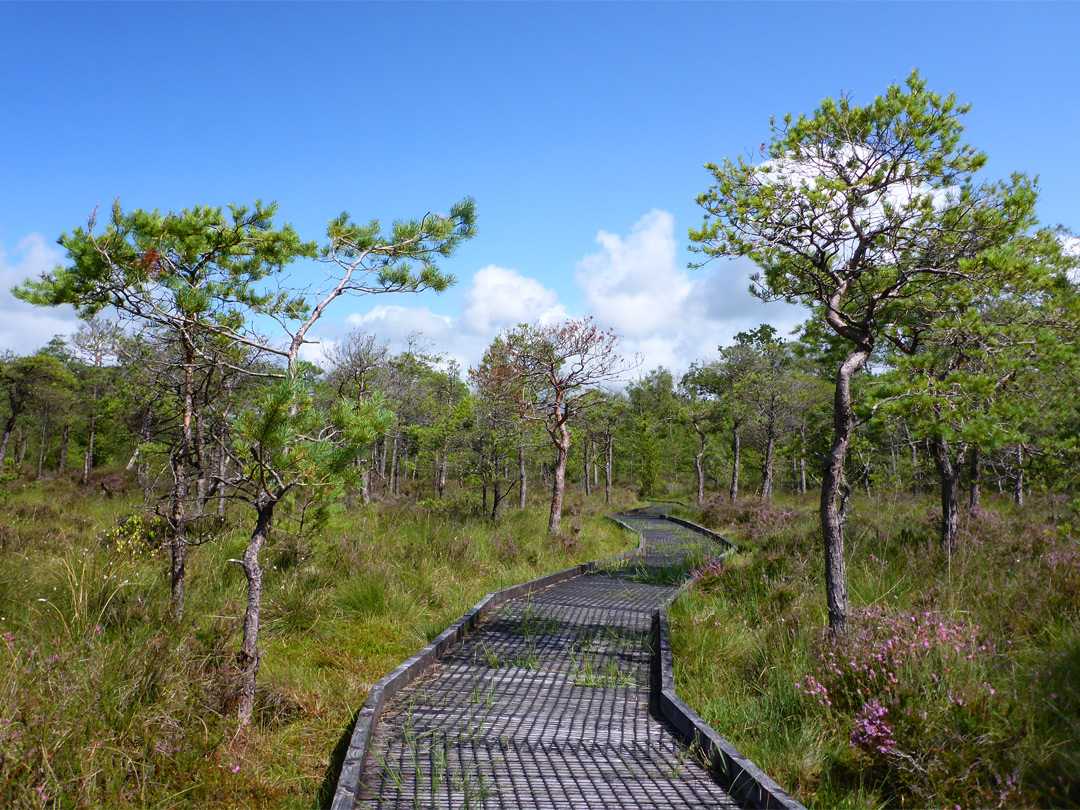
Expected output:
(547, 703)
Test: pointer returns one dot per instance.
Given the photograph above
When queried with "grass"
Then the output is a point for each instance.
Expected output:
(533, 622)
(959, 683)
(106, 702)
(585, 670)
(437, 766)
(674, 573)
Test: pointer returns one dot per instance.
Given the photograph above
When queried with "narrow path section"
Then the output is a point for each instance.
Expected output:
(546, 704)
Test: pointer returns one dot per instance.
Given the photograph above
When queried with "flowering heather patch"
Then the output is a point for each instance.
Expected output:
(916, 693)
(710, 570)
(886, 644)
(872, 731)
(754, 518)
(815, 688)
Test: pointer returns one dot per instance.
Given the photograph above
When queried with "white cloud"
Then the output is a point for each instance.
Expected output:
(25, 328)
(633, 284)
(496, 298)
(394, 324)
(668, 315)
(499, 297)
(1071, 247)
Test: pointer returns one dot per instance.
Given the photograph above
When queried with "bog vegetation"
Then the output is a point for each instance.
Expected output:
(210, 548)
(106, 700)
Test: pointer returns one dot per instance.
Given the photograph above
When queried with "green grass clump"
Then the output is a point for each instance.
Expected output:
(105, 701)
(958, 683)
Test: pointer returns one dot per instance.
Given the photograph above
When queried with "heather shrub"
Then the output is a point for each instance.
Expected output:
(958, 683)
(752, 518)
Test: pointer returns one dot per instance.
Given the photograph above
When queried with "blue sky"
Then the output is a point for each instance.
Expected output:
(580, 129)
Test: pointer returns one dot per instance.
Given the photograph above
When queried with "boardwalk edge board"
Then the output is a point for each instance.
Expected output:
(389, 685)
(744, 780)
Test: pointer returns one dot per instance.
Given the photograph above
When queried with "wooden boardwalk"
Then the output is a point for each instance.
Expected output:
(547, 703)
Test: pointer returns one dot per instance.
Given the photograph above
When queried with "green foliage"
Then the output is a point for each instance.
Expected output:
(203, 266)
(404, 258)
(871, 216)
(647, 451)
(25, 381)
(869, 213)
(135, 537)
(979, 364)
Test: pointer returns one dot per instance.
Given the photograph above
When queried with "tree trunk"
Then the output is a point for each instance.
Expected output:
(144, 436)
(522, 484)
(222, 470)
(832, 527)
(23, 438)
(248, 658)
(180, 462)
(496, 497)
(9, 427)
(382, 457)
(767, 477)
(442, 468)
(1018, 484)
(585, 448)
(609, 453)
(914, 463)
(562, 453)
(41, 446)
(973, 498)
(802, 457)
(699, 465)
(88, 459)
(64, 436)
(365, 484)
(200, 459)
(736, 447)
(394, 467)
(365, 476)
(949, 474)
